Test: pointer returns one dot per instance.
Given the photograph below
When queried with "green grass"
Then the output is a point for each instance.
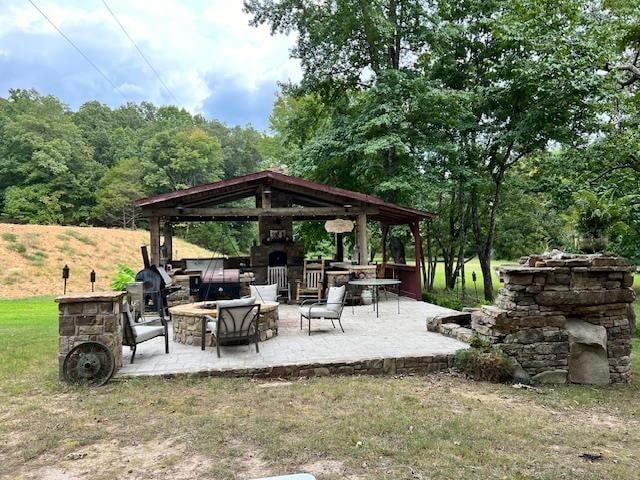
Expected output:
(456, 299)
(436, 427)
(28, 341)
(80, 237)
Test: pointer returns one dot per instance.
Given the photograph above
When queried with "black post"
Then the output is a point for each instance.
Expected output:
(65, 276)
(92, 278)
(474, 278)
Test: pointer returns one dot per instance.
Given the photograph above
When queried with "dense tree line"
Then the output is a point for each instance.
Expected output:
(516, 121)
(58, 166)
(497, 115)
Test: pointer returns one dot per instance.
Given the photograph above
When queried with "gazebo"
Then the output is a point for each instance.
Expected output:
(279, 201)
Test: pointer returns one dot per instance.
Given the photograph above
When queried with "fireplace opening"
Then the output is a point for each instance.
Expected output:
(278, 259)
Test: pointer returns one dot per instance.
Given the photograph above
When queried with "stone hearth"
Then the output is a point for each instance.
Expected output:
(563, 318)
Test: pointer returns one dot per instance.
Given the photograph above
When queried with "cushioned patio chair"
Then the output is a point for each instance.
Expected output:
(329, 309)
(236, 322)
(134, 333)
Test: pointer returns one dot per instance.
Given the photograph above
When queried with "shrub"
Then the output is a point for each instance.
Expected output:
(125, 275)
(490, 364)
(443, 299)
(480, 343)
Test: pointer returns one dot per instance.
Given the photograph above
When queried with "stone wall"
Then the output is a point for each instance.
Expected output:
(564, 318)
(95, 317)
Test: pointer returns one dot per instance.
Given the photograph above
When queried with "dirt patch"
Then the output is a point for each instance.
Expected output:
(150, 460)
(38, 253)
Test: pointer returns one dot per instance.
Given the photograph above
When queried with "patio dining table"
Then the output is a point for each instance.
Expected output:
(375, 283)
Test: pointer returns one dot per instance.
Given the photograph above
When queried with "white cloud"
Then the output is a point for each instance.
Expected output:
(188, 43)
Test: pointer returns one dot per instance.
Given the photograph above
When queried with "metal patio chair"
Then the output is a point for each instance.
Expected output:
(134, 333)
(235, 323)
(329, 309)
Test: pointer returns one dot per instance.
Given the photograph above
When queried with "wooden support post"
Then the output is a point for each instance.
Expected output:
(154, 231)
(363, 248)
(168, 240)
(339, 248)
(415, 230)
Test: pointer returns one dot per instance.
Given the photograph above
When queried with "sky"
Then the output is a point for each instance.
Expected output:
(212, 61)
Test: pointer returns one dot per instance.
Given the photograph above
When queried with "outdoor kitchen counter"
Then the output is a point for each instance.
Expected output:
(187, 321)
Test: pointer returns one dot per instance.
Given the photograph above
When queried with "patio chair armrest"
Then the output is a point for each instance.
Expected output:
(311, 302)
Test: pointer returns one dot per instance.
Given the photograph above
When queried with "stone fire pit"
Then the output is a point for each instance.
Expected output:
(187, 322)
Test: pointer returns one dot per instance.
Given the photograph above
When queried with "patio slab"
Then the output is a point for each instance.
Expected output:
(391, 343)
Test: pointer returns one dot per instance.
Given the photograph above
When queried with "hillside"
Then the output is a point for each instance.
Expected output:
(35, 254)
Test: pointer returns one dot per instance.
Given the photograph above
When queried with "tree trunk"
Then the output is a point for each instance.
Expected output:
(397, 251)
(484, 244)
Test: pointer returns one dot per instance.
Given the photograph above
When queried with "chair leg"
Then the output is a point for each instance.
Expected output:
(218, 347)
(256, 339)
(340, 323)
(166, 342)
(309, 325)
(334, 325)
(133, 352)
(300, 322)
(204, 333)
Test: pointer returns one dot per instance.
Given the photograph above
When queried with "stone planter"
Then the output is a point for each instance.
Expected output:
(593, 244)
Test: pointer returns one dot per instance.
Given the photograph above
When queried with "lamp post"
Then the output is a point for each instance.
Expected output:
(65, 276)
(92, 278)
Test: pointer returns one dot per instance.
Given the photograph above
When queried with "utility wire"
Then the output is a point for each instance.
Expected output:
(140, 52)
(79, 51)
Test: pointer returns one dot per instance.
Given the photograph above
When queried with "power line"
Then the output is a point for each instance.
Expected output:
(79, 51)
(140, 51)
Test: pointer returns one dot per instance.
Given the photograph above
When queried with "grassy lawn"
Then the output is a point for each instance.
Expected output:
(423, 427)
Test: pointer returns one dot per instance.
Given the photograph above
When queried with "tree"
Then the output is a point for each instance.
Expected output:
(529, 68)
(177, 159)
(47, 172)
(118, 189)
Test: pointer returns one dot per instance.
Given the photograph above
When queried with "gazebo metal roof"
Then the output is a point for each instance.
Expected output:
(313, 200)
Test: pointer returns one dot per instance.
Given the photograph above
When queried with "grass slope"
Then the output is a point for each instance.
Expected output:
(37, 253)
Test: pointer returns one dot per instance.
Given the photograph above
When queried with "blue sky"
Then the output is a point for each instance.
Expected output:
(212, 61)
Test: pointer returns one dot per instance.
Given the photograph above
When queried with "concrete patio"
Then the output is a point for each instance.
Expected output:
(389, 344)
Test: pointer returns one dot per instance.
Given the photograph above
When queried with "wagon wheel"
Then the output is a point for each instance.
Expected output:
(90, 364)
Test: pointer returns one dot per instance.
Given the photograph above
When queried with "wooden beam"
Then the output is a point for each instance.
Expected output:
(415, 230)
(363, 248)
(168, 239)
(154, 232)
(295, 212)
(339, 248)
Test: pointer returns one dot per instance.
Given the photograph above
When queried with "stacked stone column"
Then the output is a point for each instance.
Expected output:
(95, 317)
(553, 309)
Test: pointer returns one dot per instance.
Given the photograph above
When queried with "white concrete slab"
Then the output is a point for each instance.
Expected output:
(366, 337)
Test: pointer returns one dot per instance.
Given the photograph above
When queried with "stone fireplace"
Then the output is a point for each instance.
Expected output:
(276, 244)
(564, 318)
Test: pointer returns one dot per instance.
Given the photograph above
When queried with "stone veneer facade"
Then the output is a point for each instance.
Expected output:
(95, 317)
(544, 295)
